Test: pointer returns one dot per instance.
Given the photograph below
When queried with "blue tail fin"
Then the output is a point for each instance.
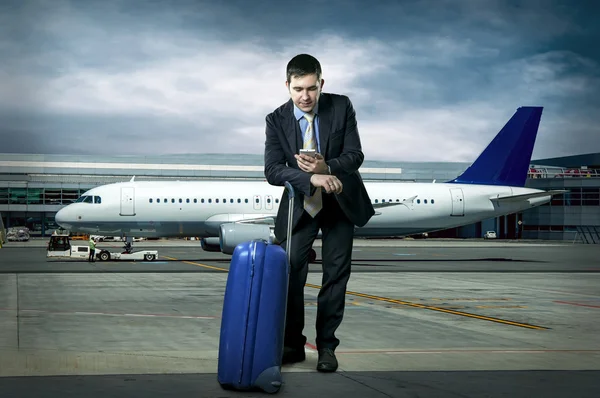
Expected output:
(506, 159)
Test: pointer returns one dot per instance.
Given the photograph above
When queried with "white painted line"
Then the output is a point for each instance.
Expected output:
(121, 314)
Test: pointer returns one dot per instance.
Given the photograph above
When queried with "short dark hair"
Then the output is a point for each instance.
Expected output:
(302, 65)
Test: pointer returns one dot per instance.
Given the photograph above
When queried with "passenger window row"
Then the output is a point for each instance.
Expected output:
(424, 201)
(398, 201)
(165, 200)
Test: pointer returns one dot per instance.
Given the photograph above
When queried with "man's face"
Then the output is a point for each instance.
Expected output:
(305, 91)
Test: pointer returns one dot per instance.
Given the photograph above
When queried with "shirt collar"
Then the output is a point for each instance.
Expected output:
(299, 114)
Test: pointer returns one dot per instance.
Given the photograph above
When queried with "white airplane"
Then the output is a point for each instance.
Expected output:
(226, 213)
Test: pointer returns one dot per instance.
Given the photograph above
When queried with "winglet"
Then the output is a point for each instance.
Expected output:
(506, 159)
(132, 178)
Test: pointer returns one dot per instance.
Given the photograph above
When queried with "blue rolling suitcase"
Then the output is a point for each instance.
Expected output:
(253, 321)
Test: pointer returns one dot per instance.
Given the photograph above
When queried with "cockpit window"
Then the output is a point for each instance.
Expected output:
(85, 199)
(89, 199)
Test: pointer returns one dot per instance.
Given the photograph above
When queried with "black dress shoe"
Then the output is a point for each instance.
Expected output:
(292, 355)
(327, 361)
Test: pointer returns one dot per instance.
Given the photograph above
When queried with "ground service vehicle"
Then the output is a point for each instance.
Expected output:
(146, 255)
(61, 246)
(489, 235)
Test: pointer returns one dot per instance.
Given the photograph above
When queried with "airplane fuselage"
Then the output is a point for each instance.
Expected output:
(199, 208)
(492, 186)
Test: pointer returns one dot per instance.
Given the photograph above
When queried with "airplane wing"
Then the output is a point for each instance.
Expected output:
(517, 198)
(386, 204)
(242, 218)
(405, 202)
(270, 220)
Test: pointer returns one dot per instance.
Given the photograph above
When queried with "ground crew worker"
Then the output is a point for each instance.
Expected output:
(92, 257)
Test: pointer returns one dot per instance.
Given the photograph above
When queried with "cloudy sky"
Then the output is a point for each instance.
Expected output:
(430, 80)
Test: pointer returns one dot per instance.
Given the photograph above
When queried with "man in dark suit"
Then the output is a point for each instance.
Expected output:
(330, 196)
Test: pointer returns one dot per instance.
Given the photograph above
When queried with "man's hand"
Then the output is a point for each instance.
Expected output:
(329, 182)
(314, 165)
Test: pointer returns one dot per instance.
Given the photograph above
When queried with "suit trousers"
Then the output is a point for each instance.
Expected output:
(337, 240)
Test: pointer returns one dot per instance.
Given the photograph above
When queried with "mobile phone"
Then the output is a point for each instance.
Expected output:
(309, 152)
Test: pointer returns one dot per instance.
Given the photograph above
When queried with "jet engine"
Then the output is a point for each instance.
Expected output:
(232, 234)
(210, 244)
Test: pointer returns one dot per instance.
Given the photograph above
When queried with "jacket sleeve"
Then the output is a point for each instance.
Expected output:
(277, 171)
(352, 156)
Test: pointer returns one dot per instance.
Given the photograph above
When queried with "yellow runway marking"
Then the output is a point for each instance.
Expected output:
(394, 301)
(500, 306)
(429, 307)
(198, 264)
(468, 299)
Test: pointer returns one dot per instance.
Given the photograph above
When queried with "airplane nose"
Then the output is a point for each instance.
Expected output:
(62, 218)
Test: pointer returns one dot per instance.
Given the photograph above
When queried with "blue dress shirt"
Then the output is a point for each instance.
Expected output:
(299, 114)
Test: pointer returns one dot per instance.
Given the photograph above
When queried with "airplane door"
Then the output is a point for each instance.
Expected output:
(269, 202)
(458, 202)
(257, 202)
(127, 202)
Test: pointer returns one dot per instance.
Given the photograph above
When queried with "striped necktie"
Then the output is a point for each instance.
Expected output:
(312, 204)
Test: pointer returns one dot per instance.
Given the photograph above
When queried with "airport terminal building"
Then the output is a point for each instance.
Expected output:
(34, 187)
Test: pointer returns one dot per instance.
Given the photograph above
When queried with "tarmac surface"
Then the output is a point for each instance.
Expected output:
(424, 318)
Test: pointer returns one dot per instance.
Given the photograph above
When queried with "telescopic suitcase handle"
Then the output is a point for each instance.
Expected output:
(291, 196)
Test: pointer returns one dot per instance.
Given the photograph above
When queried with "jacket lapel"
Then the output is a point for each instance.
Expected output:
(325, 120)
(292, 128)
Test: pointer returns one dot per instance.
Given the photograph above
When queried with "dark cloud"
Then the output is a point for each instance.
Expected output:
(198, 76)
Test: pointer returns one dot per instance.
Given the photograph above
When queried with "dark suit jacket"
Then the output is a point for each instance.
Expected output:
(340, 146)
